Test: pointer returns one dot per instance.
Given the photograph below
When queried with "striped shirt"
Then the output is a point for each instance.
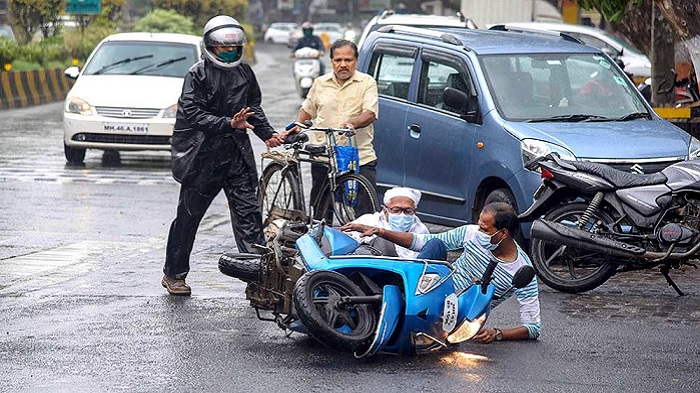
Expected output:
(472, 263)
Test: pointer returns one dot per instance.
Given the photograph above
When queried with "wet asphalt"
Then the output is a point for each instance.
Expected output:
(82, 309)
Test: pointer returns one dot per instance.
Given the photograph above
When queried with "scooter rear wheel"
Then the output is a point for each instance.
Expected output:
(245, 267)
(345, 327)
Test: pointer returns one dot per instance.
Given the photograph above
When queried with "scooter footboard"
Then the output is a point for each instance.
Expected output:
(392, 308)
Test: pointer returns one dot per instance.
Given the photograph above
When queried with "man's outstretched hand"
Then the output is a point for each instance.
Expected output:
(365, 230)
(240, 119)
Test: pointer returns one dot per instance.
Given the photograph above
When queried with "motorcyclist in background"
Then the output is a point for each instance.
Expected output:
(309, 40)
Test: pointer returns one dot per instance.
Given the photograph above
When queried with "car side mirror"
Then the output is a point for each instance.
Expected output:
(466, 104)
(72, 72)
(523, 276)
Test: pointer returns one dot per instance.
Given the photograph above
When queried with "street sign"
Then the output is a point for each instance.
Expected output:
(83, 6)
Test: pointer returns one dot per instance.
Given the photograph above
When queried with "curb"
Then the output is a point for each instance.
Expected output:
(19, 89)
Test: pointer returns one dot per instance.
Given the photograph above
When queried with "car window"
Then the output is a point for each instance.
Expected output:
(142, 58)
(542, 86)
(435, 77)
(392, 73)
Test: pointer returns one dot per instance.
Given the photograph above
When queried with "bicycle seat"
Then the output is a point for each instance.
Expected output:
(296, 137)
(315, 149)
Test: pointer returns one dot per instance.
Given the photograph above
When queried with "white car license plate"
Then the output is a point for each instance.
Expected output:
(125, 127)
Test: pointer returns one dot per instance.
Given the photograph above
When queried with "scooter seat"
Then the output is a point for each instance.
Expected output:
(620, 179)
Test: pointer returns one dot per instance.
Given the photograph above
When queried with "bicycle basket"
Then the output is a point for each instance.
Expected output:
(348, 159)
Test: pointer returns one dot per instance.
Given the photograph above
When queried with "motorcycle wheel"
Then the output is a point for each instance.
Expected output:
(245, 267)
(568, 269)
(316, 301)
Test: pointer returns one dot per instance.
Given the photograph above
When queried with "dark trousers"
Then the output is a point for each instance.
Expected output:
(319, 174)
(433, 249)
(246, 218)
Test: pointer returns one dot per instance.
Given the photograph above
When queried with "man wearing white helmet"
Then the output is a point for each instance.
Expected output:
(398, 214)
(211, 148)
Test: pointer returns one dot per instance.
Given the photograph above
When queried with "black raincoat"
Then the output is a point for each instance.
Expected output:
(208, 156)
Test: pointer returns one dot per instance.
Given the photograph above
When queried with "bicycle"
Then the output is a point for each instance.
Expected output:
(281, 195)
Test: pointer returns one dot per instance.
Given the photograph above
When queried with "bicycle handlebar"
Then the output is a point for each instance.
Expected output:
(327, 130)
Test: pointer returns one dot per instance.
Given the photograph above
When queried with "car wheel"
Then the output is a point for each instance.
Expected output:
(505, 195)
(74, 156)
(111, 158)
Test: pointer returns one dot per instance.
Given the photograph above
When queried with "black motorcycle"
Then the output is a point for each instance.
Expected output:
(592, 221)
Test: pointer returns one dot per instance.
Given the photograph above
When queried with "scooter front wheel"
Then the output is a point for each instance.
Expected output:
(318, 302)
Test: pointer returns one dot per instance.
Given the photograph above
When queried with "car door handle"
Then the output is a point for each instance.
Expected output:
(414, 130)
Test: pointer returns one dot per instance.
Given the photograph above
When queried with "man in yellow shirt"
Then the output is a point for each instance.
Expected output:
(344, 98)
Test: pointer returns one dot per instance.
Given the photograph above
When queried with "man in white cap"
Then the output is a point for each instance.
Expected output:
(398, 214)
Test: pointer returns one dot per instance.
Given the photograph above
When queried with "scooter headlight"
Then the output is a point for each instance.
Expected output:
(427, 283)
(694, 150)
(466, 330)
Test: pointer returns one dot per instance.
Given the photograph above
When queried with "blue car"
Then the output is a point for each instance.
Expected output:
(461, 111)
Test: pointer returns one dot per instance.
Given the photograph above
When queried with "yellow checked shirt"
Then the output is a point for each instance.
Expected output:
(331, 105)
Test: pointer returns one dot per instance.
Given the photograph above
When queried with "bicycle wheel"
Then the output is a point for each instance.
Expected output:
(353, 197)
(279, 194)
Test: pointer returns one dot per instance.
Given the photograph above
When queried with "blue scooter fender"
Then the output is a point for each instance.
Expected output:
(392, 308)
(473, 303)
(474, 307)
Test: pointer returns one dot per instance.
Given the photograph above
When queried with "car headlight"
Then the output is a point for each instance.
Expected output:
(170, 112)
(466, 330)
(79, 106)
(694, 149)
(533, 148)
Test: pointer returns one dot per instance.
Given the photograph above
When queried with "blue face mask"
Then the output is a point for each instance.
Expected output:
(485, 240)
(401, 222)
(229, 56)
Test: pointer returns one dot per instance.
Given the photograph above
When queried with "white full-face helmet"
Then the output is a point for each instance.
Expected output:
(223, 30)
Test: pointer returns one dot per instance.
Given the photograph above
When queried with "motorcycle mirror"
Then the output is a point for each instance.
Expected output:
(523, 276)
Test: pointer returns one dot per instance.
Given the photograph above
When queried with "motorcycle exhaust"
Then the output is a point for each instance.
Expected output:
(576, 238)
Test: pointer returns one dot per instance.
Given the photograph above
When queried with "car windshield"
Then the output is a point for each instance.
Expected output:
(142, 58)
(561, 87)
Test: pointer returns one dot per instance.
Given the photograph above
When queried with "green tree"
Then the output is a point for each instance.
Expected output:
(165, 21)
(202, 10)
(31, 16)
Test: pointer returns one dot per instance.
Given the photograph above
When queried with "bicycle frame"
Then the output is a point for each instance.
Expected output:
(296, 157)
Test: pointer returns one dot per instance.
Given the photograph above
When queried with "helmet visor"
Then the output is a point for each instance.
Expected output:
(227, 35)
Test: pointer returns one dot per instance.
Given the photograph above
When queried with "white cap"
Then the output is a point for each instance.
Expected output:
(409, 193)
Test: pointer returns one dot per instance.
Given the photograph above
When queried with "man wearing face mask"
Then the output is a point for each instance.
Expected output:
(211, 149)
(399, 214)
(491, 238)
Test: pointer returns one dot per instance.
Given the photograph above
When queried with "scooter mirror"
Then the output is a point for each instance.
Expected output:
(523, 276)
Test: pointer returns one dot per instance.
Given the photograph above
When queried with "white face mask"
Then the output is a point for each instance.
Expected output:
(485, 240)
(401, 222)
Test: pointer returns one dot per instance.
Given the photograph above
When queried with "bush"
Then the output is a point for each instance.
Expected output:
(79, 45)
(165, 21)
(9, 51)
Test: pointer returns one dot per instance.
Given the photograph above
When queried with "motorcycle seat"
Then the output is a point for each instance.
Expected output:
(620, 179)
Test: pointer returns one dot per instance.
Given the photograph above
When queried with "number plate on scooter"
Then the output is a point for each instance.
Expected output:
(449, 315)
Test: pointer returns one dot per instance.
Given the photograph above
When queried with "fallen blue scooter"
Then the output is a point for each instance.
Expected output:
(310, 280)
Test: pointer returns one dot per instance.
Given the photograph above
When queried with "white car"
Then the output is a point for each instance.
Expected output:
(125, 98)
(333, 31)
(414, 20)
(636, 63)
(279, 33)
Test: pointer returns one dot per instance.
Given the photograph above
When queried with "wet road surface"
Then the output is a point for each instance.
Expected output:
(82, 309)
